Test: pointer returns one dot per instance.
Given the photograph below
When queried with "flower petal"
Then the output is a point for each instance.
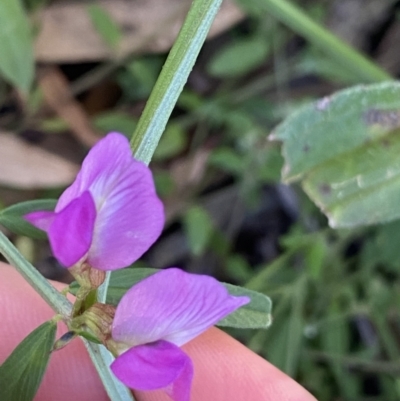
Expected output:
(41, 219)
(70, 233)
(130, 217)
(160, 365)
(173, 306)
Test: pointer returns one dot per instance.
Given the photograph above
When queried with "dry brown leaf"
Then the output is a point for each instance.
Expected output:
(27, 166)
(67, 34)
(57, 94)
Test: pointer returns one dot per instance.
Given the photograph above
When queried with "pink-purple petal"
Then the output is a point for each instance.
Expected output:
(71, 231)
(129, 220)
(160, 365)
(104, 159)
(41, 219)
(130, 217)
(173, 306)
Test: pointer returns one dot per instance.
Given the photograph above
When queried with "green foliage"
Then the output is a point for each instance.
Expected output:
(22, 372)
(228, 160)
(240, 57)
(12, 217)
(335, 292)
(115, 121)
(172, 142)
(300, 22)
(105, 25)
(173, 77)
(256, 314)
(139, 76)
(344, 148)
(199, 228)
(16, 61)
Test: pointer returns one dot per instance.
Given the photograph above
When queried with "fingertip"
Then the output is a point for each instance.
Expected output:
(224, 369)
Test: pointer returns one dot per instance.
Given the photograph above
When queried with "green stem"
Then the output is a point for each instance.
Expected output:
(102, 291)
(320, 37)
(173, 77)
(55, 299)
(102, 359)
(59, 303)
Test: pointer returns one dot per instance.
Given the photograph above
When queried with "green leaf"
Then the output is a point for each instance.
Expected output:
(12, 217)
(239, 57)
(164, 182)
(105, 25)
(172, 142)
(229, 160)
(22, 372)
(344, 149)
(198, 228)
(16, 60)
(115, 121)
(122, 280)
(256, 314)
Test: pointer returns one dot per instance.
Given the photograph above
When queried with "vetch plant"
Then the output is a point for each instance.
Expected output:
(105, 221)
(110, 215)
(342, 149)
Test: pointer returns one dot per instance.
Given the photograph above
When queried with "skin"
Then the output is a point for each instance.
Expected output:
(224, 368)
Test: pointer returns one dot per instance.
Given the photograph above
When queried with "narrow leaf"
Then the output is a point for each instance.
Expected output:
(239, 57)
(22, 372)
(256, 314)
(16, 61)
(198, 228)
(172, 142)
(12, 217)
(105, 25)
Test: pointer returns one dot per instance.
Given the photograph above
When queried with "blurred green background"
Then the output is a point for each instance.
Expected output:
(73, 71)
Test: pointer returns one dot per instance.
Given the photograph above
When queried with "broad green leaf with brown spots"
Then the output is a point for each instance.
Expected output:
(345, 151)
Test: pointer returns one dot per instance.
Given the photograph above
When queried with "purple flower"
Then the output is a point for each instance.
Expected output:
(110, 215)
(158, 315)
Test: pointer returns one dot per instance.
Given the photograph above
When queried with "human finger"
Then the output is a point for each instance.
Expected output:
(224, 368)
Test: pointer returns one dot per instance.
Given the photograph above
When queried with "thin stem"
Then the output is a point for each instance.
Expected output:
(338, 50)
(55, 299)
(371, 366)
(102, 359)
(102, 291)
(173, 77)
